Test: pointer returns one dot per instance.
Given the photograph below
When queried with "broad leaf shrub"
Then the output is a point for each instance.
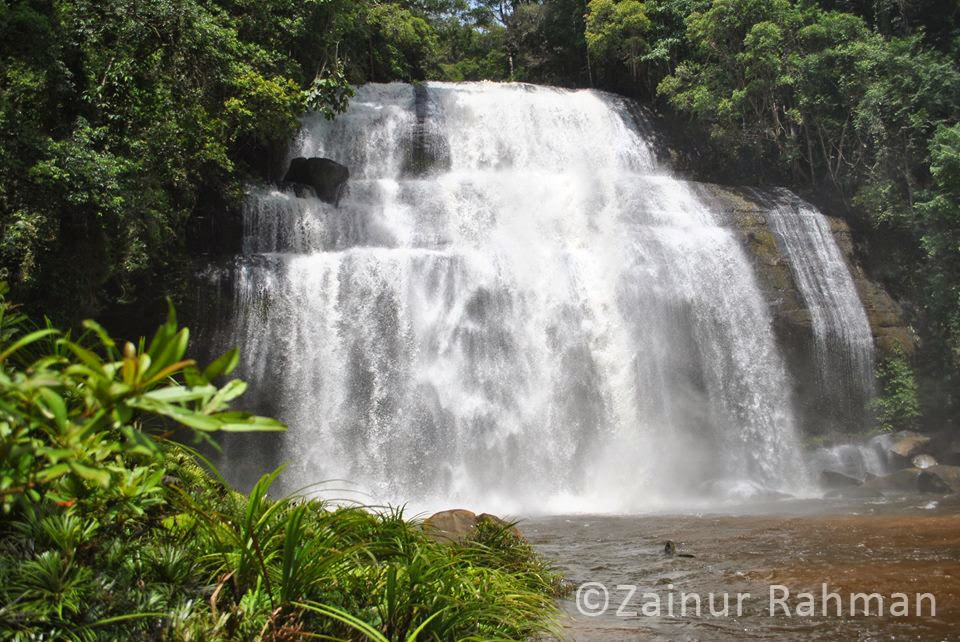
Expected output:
(112, 530)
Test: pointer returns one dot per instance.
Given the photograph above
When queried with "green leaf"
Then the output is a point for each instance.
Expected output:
(344, 618)
(24, 341)
(242, 422)
(170, 352)
(179, 414)
(231, 391)
(423, 625)
(193, 377)
(223, 365)
(53, 406)
(140, 443)
(179, 394)
(90, 473)
(52, 472)
(105, 339)
(91, 360)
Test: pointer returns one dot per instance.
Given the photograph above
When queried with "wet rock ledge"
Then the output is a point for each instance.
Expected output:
(743, 211)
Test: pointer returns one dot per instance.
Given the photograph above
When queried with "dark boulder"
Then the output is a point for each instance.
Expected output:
(950, 475)
(326, 177)
(928, 482)
(909, 480)
(901, 481)
(833, 480)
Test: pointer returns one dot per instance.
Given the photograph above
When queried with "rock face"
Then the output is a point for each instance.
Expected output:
(743, 211)
(902, 481)
(496, 522)
(746, 214)
(945, 447)
(908, 449)
(326, 177)
(928, 482)
(430, 152)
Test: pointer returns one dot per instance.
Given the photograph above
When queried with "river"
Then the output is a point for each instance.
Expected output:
(910, 546)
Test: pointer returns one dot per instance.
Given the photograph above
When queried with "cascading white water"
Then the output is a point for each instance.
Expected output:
(542, 320)
(855, 460)
(842, 336)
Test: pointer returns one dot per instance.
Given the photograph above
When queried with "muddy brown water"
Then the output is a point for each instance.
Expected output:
(909, 546)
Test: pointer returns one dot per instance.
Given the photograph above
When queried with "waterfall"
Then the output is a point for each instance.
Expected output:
(514, 307)
(843, 341)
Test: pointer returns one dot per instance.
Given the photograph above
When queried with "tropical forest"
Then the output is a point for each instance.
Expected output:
(439, 320)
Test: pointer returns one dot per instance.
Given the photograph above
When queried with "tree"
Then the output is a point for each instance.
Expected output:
(939, 216)
(123, 121)
(617, 32)
(898, 406)
(817, 93)
(400, 43)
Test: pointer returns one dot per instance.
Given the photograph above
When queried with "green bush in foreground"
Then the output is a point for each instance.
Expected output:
(111, 531)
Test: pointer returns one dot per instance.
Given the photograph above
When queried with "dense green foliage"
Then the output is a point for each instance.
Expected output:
(129, 127)
(70, 415)
(117, 119)
(938, 226)
(617, 32)
(897, 406)
(109, 530)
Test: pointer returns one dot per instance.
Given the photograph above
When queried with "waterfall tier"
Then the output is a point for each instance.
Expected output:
(517, 308)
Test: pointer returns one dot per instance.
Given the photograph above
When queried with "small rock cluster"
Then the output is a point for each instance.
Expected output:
(919, 464)
(458, 526)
